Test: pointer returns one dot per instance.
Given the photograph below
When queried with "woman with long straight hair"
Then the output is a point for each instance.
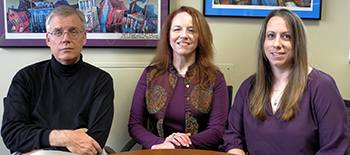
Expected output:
(287, 106)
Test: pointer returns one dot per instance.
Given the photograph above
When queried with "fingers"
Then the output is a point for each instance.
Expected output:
(82, 151)
(172, 139)
(90, 146)
(182, 138)
(80, 142)
(90, 152)
(97, 147)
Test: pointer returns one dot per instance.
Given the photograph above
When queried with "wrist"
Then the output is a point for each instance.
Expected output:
(164, 145)
(57, 138)
(156, 146)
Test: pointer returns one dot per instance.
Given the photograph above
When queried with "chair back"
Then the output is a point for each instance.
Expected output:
(347, 104)
(230, 93)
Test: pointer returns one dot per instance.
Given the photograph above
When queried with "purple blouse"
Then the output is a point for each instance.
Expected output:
(211, 125)
(319, 127)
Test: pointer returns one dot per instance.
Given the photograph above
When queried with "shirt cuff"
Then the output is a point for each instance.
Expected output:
(45, 142)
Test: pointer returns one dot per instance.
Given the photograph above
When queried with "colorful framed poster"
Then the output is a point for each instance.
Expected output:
(109, 23)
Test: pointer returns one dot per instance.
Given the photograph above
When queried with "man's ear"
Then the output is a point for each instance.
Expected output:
(47, 40)
(85, 38)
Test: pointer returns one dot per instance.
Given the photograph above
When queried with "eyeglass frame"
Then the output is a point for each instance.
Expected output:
(69, 32)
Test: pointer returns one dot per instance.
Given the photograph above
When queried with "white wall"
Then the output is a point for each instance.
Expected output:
(234, 40)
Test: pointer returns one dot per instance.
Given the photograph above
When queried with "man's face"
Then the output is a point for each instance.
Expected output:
(66, 38)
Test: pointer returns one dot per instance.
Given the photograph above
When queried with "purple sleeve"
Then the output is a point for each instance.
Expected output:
(331, 117)
(138, 117)
(212, 136)
(234, 134)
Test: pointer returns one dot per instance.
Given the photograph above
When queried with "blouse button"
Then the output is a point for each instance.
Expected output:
(188, 98)
(187, 86)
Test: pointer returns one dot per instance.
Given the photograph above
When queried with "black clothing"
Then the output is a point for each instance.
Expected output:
(50, 96)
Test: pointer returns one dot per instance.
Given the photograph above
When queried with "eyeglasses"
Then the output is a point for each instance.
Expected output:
(73, 34)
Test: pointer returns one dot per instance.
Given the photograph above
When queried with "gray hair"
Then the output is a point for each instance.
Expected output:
(64, 11)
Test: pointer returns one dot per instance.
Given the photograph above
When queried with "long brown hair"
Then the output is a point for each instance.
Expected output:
(261, 88)
(207, 71)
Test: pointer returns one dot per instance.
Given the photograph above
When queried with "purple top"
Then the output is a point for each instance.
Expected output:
(211, 125)
(319, 127)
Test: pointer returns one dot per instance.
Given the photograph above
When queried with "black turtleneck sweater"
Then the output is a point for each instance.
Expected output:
(50, 96)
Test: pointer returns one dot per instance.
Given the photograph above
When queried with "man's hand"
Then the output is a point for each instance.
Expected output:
(76, 141)
(179, 139)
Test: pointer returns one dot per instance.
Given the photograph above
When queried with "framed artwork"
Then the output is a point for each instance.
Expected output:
(109, 23)
(308, 9)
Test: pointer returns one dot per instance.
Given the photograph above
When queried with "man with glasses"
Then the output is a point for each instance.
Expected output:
(63, 103)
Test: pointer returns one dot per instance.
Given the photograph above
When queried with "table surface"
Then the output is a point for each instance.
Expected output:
(171, 152)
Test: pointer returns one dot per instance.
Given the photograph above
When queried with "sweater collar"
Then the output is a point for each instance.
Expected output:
(66, 70)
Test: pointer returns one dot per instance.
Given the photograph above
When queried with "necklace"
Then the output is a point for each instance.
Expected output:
(276, 99)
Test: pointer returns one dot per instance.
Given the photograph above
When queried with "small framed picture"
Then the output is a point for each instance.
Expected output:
(307, 9)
